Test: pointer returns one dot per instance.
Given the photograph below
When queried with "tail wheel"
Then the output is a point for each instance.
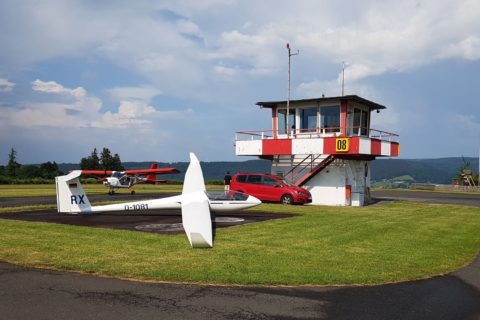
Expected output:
(132, 192)
(286, 199)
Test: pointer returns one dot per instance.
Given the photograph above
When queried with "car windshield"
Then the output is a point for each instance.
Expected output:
(287, 183)
(227, 196)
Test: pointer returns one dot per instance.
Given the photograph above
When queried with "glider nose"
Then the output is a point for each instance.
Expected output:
(254, 201)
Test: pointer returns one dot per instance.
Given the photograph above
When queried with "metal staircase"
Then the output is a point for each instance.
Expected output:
(307, 168)
(319, 167)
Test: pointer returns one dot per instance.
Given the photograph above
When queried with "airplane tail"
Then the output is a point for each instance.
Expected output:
(71, 198)
(151, 178)
(196, 218)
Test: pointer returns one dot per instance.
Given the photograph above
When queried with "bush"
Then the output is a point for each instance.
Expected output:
(90, 181)
(8, 180)
(215, 182)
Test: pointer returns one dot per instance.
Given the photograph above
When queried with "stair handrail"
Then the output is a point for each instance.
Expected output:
(329, 159)
(291, 171)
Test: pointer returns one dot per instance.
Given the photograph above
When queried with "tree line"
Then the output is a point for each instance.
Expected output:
(15, 172)
(103, 162)
(46, 172)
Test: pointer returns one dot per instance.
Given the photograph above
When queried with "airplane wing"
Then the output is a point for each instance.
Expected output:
(100, 173)
(151, 171)
(104, 173)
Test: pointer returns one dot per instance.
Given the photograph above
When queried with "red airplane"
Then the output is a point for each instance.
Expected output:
(128, 178)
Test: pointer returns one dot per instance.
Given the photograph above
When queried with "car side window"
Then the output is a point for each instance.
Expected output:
(269, 181)
(241, 179)
(254, 179)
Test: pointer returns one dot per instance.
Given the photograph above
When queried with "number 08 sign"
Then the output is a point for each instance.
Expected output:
(341, 145)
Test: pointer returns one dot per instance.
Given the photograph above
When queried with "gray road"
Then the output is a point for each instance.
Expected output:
(428, 197)
(40, 294)
(26, 201)
(379, 195)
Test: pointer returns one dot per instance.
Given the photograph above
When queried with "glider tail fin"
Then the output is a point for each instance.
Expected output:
(194, 181)
(196, 218)
(71, 198)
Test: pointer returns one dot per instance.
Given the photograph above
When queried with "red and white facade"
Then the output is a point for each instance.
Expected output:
(325, 146)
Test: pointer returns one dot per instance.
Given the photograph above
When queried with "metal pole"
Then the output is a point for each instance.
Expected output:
(288, 100)
(343, 77)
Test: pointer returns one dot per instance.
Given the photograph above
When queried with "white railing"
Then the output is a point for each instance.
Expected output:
(316, 133)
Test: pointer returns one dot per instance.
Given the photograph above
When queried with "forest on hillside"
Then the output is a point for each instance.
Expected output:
(442, 170)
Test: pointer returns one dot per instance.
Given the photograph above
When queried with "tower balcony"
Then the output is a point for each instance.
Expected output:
(359, 142)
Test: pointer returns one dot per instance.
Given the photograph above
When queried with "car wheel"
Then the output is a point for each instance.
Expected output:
(286, 199)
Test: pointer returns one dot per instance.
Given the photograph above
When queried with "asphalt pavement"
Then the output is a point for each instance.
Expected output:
(466, 199)
(44, 294)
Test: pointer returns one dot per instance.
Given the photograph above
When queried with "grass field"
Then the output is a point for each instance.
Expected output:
(320, 246)
(48, 190)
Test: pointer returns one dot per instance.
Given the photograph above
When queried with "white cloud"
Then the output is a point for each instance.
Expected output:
(176, 53)
(466, 123)
(144, 93)
(135, 113)
(316, 88)
(224, 71)
(84, 110)
(6, 86)
(215, 53)
(468, 48)
(56, 88)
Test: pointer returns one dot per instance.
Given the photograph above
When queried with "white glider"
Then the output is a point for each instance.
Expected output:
(194, 202)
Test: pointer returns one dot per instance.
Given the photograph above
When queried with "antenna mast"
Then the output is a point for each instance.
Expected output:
(343, 78)
(288, 100)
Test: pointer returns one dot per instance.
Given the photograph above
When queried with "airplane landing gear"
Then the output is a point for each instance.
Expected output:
(132, 192)
(111, 192)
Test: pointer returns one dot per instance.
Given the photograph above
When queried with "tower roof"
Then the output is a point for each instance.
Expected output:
(354, 98)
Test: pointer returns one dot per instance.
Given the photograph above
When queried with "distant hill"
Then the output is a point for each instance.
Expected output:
(211, 170)
(440, 170)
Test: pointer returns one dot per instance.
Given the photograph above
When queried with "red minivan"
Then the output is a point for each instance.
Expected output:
(267, 187)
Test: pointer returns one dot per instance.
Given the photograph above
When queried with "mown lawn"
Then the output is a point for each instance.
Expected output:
(320, 246)
(48, 190)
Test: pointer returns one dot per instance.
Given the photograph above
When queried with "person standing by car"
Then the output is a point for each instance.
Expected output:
(226, 181)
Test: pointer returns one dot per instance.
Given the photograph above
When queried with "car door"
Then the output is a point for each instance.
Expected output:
(271, 188)
(253, 186)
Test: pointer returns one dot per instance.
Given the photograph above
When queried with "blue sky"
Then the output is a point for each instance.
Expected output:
(153, 80)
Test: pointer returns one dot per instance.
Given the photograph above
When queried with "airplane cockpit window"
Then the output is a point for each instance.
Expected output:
(116, 174)
(228, 196)
(125, 180)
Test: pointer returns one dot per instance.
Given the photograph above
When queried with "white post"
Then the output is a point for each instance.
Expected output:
(288, 100)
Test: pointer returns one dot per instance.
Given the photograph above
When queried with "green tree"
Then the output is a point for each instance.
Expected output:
(91, 162)
(49, 170)
(117, 163)
(12, 165)
(464, 172)
(103, 162)
(109, 162)
(106, 159)
(29, 171)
